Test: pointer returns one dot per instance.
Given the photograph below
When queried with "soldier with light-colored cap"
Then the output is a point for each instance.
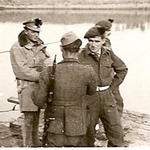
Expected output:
(73, 81)
(28, 58)
(68, 38)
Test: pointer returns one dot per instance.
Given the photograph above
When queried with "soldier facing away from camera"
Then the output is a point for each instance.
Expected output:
(28, 57)
(111, 72)
(73, 81)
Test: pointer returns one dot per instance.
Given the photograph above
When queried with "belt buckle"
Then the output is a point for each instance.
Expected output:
(98, 89)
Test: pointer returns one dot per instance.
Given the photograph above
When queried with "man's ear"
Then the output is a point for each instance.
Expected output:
(25, 31)
(87, 44)
(103, 40)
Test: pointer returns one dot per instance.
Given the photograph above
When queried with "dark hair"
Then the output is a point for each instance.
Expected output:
(23, 38)
(73, 47)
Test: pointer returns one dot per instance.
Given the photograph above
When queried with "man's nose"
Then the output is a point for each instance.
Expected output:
(37, 34)
(93, 43)
(109, 34)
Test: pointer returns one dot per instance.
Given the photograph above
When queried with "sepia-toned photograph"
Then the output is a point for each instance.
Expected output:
(75, 73)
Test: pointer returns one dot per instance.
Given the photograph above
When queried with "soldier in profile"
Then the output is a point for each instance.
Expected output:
(28, 57)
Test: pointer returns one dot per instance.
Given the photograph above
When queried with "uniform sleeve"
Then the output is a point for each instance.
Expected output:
(20, 65)
(47, 62)
(44, 85)
(93, 80)
(120, 70)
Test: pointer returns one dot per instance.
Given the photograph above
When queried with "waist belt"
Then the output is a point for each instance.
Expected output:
(101, 88)
(65, 103)
(26, 80)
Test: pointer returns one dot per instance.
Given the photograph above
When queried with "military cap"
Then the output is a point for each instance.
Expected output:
(92, 32)
(107, 24)
(33, 24)
(68, 38)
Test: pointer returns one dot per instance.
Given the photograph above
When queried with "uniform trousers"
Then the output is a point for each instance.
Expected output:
(30, 129)
(60, 140)
(119, 100)
(105, 108)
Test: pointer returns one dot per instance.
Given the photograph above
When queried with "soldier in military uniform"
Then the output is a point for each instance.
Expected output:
(28, 57)
(107, 24)
(111, 72)
(68, 114)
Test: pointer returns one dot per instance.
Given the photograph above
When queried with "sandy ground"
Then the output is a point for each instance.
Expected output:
(136, 131)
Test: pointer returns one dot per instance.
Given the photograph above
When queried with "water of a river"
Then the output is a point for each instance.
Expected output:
(130, 41)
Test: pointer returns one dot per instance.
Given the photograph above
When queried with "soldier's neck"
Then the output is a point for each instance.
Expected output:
(70, 55)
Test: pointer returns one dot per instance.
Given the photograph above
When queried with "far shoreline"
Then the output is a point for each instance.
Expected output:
(78, 7)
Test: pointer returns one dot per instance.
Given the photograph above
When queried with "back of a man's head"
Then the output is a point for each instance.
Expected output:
(70, 42)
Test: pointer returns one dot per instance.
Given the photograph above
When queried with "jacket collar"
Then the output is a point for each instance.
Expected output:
(105, 50)
(30, 45)
(70, 60)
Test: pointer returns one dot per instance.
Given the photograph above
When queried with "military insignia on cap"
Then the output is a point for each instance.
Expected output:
(111, 20)
(33, 24)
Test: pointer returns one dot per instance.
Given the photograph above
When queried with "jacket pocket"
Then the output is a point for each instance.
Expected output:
(56, 120)
(112, 115)
(111, 111)
(107, 63)
(75, 121)
(56, 126)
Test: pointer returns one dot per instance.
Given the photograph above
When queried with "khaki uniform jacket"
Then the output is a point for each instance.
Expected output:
(111, 70)
(73, 82)
(27, 63)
